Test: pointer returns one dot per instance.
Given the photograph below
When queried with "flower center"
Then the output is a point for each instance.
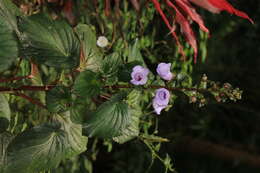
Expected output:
(138, 76)
(162, 95)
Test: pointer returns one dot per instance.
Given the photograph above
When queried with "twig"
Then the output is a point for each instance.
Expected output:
(28, 88)
(32, 100)
(158, 86)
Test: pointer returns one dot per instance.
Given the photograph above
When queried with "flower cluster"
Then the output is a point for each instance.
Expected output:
(162, 96)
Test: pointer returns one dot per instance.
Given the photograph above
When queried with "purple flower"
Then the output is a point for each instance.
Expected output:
(161, 100)
(139, 75)
(164, 72)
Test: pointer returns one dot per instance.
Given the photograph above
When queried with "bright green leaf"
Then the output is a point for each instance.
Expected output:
(92, 55)
(51, 42)
(87, 84)
(110, 118)
(4, 113)
(44, 146)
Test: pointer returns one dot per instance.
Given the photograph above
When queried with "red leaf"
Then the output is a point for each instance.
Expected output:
(186, 28)
(166, 21)
(224, 5)
(191, 12)
(215, 6)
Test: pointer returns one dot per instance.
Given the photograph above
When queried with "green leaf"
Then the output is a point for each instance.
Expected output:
(110, 64)
(44, 146)
(110, 118)
(132, 131)
(48, 41)
(87, 84)
(58, 99)
(92, 55)
(9, 13)
(8, 45)
(134, 53)
(76, 142)
(5, 113)
(5, 139)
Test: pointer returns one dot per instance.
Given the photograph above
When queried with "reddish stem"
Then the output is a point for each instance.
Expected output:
(28, 88)
(32, 100)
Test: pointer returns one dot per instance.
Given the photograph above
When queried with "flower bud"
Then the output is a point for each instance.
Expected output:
(102, 41)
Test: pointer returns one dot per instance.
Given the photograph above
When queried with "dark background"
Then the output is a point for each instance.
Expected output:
(219, 137)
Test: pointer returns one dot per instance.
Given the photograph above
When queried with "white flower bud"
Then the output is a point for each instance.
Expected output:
(102, 41)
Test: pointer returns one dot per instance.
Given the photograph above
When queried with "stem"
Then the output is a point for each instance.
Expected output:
(158, 86)
(27, 88)
(32, 100)
(14, 78)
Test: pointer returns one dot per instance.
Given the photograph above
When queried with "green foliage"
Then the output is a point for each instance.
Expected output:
(5, 113)
(110, 118)
(50, 42)
(8, 44)
(5, 139)
(44, 146)
(92, 56)
(58, 99)
(132, 130)
(87, 84)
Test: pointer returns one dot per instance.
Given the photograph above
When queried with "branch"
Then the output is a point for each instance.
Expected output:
(32, 100)
(158, 86)
(28, 88)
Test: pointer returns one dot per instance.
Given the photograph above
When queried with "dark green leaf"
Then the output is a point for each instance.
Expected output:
(110, 118)
(4, 113)
(58, 99)
(8, 45)
(110, 64)
(51, 42)
(87, 84)
(132, 131)
(92, 55)
(5, 139)
(43, 147)
(9, 13)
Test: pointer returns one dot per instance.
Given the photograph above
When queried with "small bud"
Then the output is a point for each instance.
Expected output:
(218, 99)
(227, 85)
(102, 41)
(193, 99)
(204, 78)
